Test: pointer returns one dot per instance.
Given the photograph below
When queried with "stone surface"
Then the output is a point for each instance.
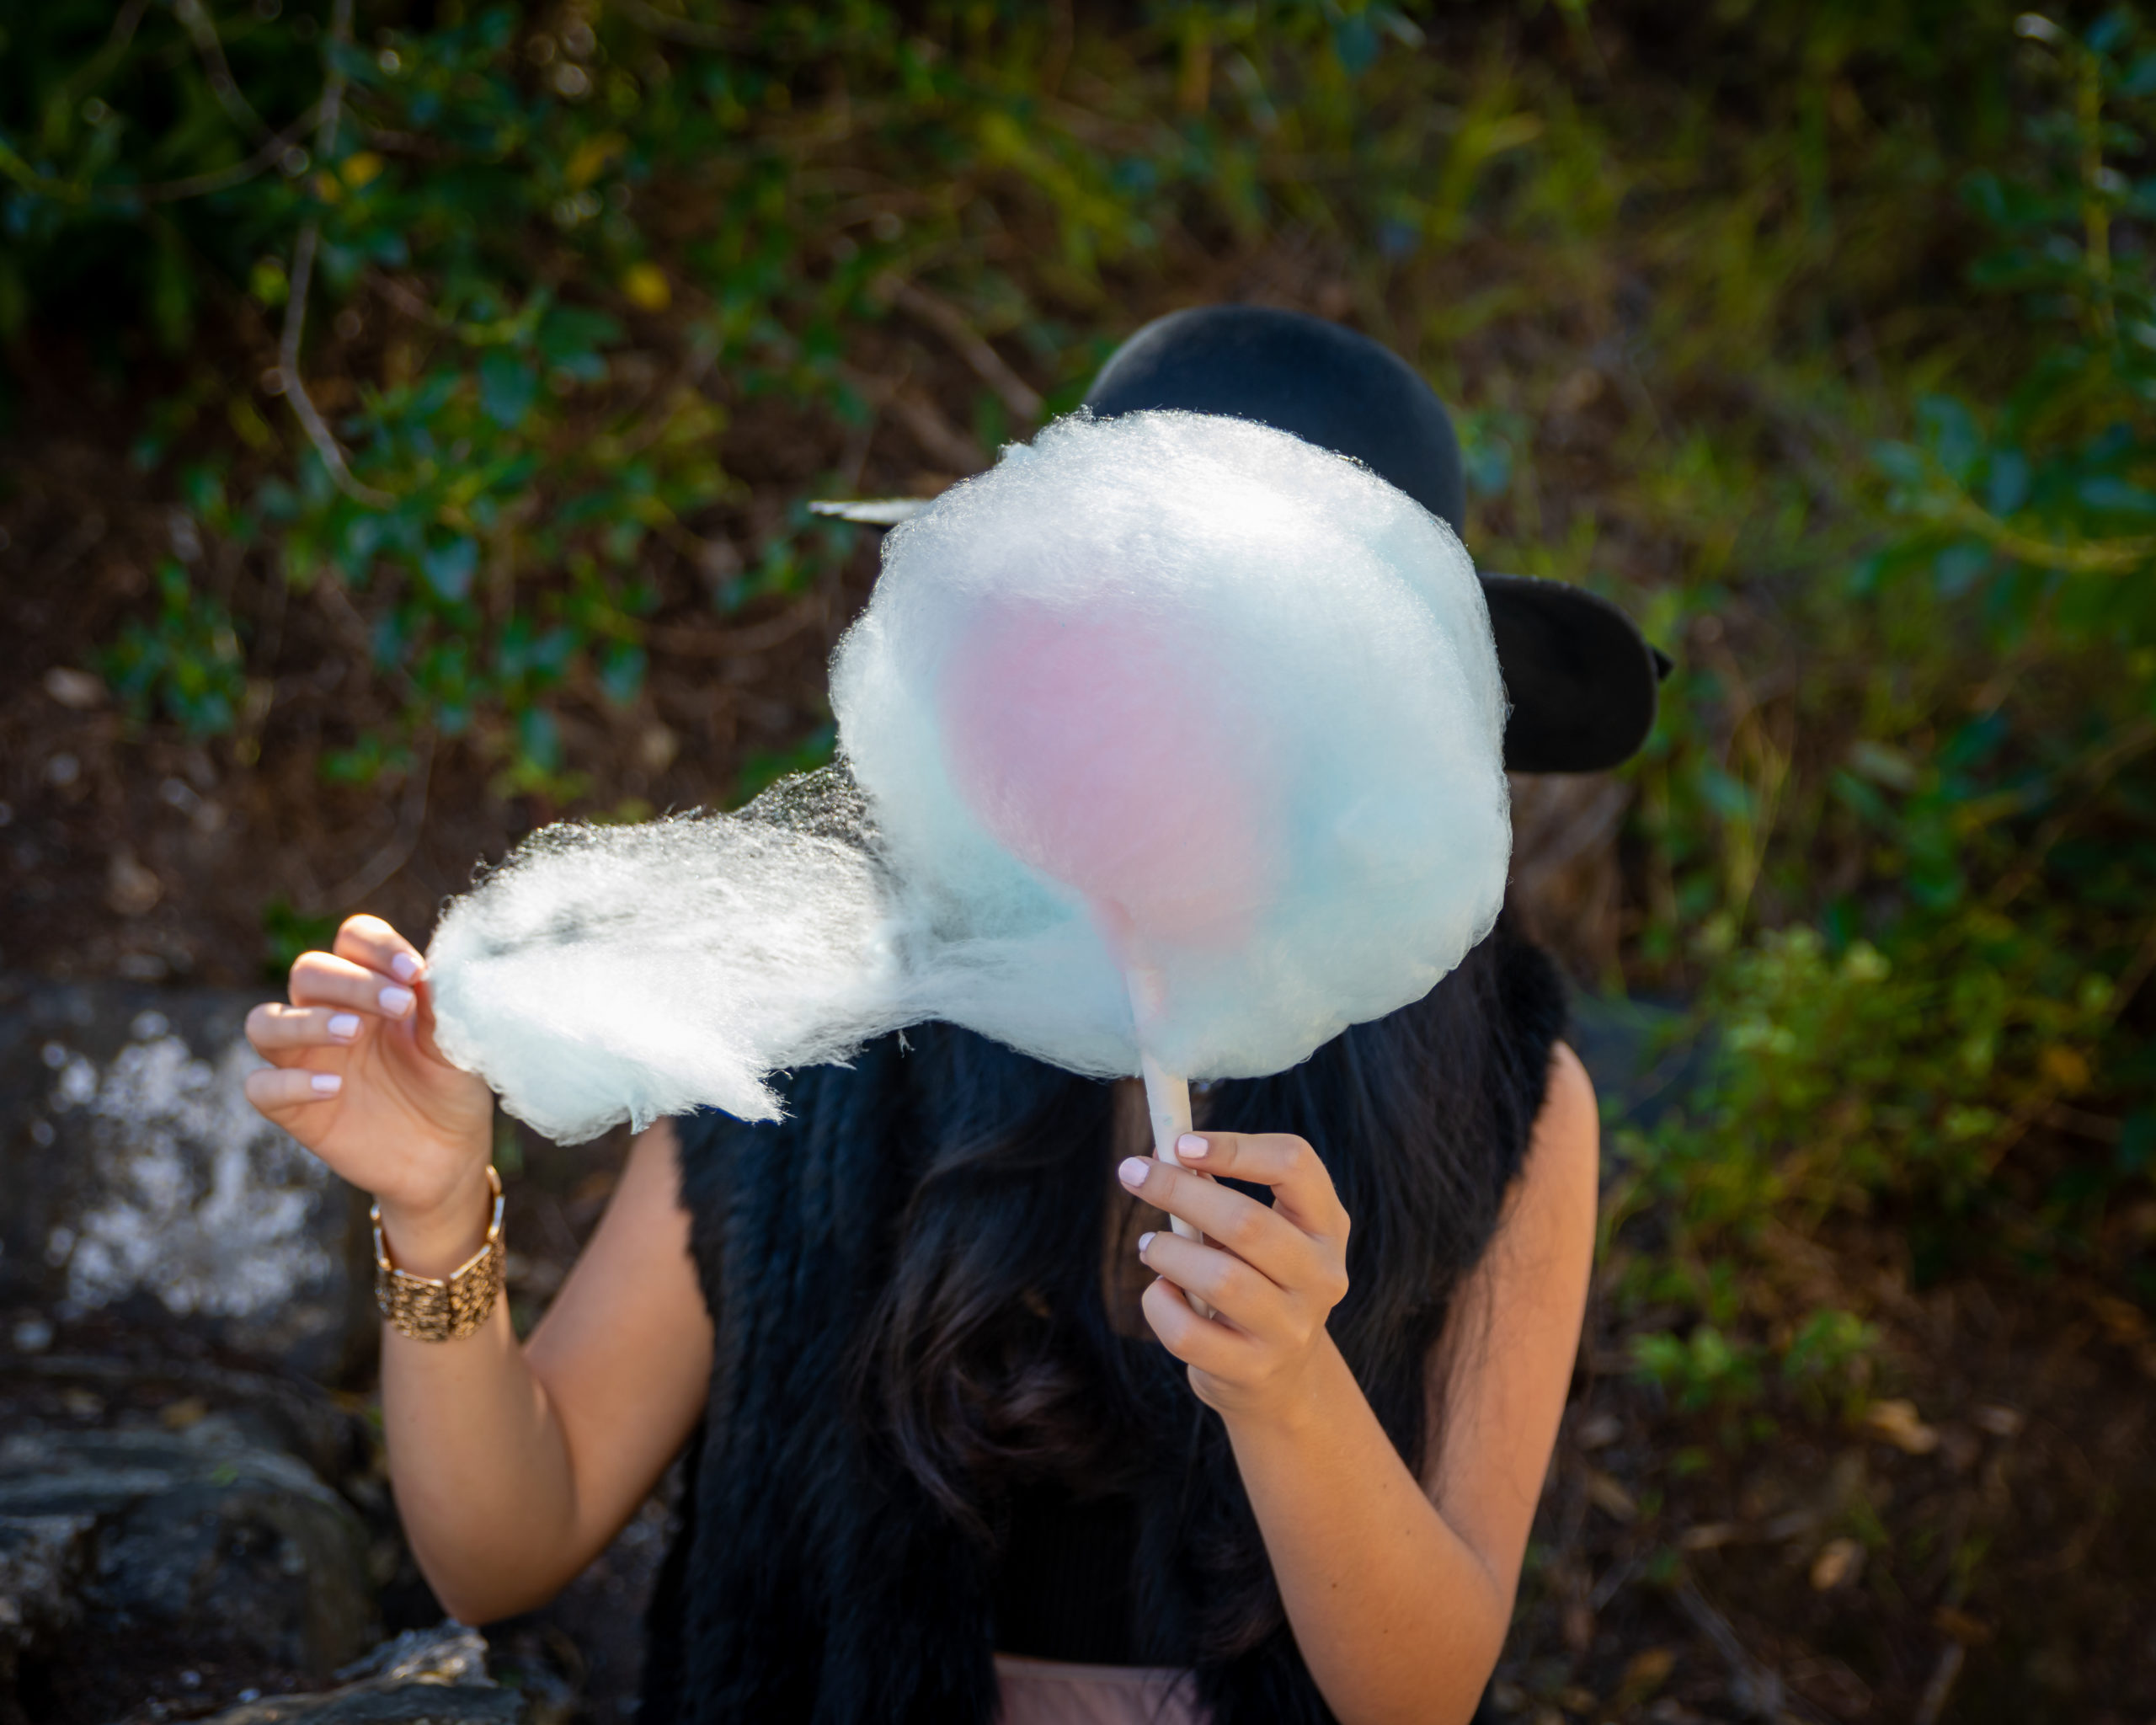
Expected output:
(141, 1185)
(43, 1560)
(424, 1677)
(208, 1537)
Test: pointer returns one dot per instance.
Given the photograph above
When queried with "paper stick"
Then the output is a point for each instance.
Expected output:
(1167, 1102)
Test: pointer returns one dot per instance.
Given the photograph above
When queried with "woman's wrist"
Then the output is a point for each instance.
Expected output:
(1300, 1410)
(435, 1237)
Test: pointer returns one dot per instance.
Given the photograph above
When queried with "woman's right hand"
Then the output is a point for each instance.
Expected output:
(356, 1077)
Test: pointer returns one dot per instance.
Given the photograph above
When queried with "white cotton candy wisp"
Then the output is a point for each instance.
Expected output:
(1170, 732)
(620, 972)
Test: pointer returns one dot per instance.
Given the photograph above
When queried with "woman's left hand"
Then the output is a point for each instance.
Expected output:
(1270, 1276)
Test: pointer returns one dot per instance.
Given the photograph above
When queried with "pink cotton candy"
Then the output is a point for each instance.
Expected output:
(1100, 750)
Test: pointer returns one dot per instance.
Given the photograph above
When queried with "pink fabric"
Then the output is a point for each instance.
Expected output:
(1044, 1692)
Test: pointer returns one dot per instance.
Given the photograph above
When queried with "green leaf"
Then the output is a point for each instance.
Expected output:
(2006, 485)
(1960, 566)
(1951, 435)
(2117, 496)
(622, 672)
(540, 738)
(449, 566)
(2136, 1151)
(508, 386)
(1356, 43)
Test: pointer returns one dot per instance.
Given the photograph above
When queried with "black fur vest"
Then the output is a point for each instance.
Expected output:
(812, 1579)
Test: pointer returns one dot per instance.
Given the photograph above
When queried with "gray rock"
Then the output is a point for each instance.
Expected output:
(202, 1535)
(449, 1653)
(43, 1561)
(141, 1185)
(424, 1677)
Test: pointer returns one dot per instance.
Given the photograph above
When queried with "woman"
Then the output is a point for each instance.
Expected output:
(964, 1446)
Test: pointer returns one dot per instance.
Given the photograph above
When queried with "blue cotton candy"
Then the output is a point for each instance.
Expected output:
(1170, 733)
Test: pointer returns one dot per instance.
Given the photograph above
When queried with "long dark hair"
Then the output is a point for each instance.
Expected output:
(989, 1356)
(924, 1229)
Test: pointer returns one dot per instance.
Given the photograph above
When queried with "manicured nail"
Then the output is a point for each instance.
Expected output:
(344, 1025)
(326, 1083)
(1133, 1171)
(403, 966)
(1191, 1147)
(397, 1001)
(1143, 1240)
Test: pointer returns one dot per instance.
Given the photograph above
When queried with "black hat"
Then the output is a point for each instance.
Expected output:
(1581, 678)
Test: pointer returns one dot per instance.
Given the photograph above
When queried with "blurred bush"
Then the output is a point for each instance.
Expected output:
(1971, 985)
(570, 219)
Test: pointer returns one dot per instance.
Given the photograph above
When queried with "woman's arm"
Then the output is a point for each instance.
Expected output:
(1399, 1591)
(512, 1466)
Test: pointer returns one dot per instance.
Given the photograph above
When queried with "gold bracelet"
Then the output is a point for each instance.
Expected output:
(448, 1309)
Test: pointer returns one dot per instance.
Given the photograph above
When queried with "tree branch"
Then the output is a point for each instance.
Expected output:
(2101, 557)
(272, 151)
(686, 31)
(302, 279)
(947, 321)
(295, 388)
(194, 17)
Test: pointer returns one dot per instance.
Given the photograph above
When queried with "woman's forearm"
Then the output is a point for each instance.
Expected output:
(514, 1466)
(511, 1465)
(1395, 1613)
(477, 1458)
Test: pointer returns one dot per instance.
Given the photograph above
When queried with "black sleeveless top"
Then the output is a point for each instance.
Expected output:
(813, 1578)
(1065, 1583)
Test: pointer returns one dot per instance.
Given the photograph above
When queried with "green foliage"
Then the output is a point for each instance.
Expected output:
(1830, 1360)
(556, 231)
(1842, 1079)
(1897, 1050)
(765, 768)
(287, 932)
(1703, 1370)
(185, 662)
(2042, 507)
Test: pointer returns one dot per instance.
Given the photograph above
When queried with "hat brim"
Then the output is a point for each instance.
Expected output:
(1581, 679)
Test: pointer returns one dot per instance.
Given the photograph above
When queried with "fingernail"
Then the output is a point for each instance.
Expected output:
(326, 1083)
(1190, 1145)
(404, 967)
(1143, 1240)
(397, 1001)
(1133, 1171)
(344, 1025)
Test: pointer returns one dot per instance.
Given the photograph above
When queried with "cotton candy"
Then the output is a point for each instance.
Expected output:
(1170, 734)
(612, 973)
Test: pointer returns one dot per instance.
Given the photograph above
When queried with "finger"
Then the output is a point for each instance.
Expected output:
(370, 941)
(1252, 1302)
(281, 1091)
(423, 1023)
(320, 980)
(285, 1033)
(1228, 1218)
(1205, 1343)
(1302, 1189)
